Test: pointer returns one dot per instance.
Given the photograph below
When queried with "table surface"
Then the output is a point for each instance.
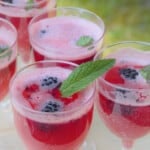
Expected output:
(99, 137)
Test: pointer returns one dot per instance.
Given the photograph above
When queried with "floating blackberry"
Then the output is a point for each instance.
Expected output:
(3, 48)
(129, 73)
(43, 31)
(52, 106)
(50, 82)
(126, 110)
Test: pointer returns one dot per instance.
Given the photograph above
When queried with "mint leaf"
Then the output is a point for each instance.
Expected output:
(3, 49)
(29, 4)
(84, 41)
(145, 72)
(83, 75)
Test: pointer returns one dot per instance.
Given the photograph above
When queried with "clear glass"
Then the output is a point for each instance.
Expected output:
(59, 130)
(8, 61)
(124, 103)
(54, 36)
(8, 54)
(20, 13)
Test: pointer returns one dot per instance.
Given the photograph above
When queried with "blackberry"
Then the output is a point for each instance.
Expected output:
(129, 73)
(126, 110)
(51, 82)
(43, 31)
(51, 106)
(8, 1)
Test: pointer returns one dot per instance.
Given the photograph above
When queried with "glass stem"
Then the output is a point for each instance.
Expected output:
(127, 144)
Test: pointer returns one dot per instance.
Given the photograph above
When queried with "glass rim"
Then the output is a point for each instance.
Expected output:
(30, 110)
(21, 5)
(121, 43)
(15, 39)
(115, 44)
(77, 9)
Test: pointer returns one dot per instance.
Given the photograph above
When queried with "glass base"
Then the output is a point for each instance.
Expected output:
(6, 116)
(100, 138)
(88, 145)
(10, 141)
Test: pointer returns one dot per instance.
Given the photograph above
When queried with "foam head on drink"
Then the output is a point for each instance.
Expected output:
(60, 122)
(127, 71)
(56, 38)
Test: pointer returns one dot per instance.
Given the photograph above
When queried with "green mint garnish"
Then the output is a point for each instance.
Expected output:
(145, 72)
(84, 41)
(29, 4)
(3, 49)
(83, 75)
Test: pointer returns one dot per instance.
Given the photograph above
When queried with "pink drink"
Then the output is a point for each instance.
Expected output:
(8, 53)
(63, 127)
(55, 37)
(20, 13)
(124, 99)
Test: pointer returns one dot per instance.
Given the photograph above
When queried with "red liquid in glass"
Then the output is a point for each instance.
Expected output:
(6, 74)
(39, 57)
(63, 135)
(127, 121)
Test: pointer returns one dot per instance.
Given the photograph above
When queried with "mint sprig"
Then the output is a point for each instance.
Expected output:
(145, 72)
(29, 4)
(3, 49)
(84, 41)
(83, 75)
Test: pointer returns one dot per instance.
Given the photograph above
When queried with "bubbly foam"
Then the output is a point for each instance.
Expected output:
(7, 35)
(27, 78)
(131, 56)
(58, 36)
(137, 90)
(20, 11)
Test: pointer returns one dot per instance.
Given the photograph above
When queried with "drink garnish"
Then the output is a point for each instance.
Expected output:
(3, 49)
(83, 75)
(129, 73)
(85, 41)
(29, 4)
(145, 72)
(52, 106)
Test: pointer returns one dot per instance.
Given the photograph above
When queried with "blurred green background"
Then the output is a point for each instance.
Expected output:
(124, 19)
